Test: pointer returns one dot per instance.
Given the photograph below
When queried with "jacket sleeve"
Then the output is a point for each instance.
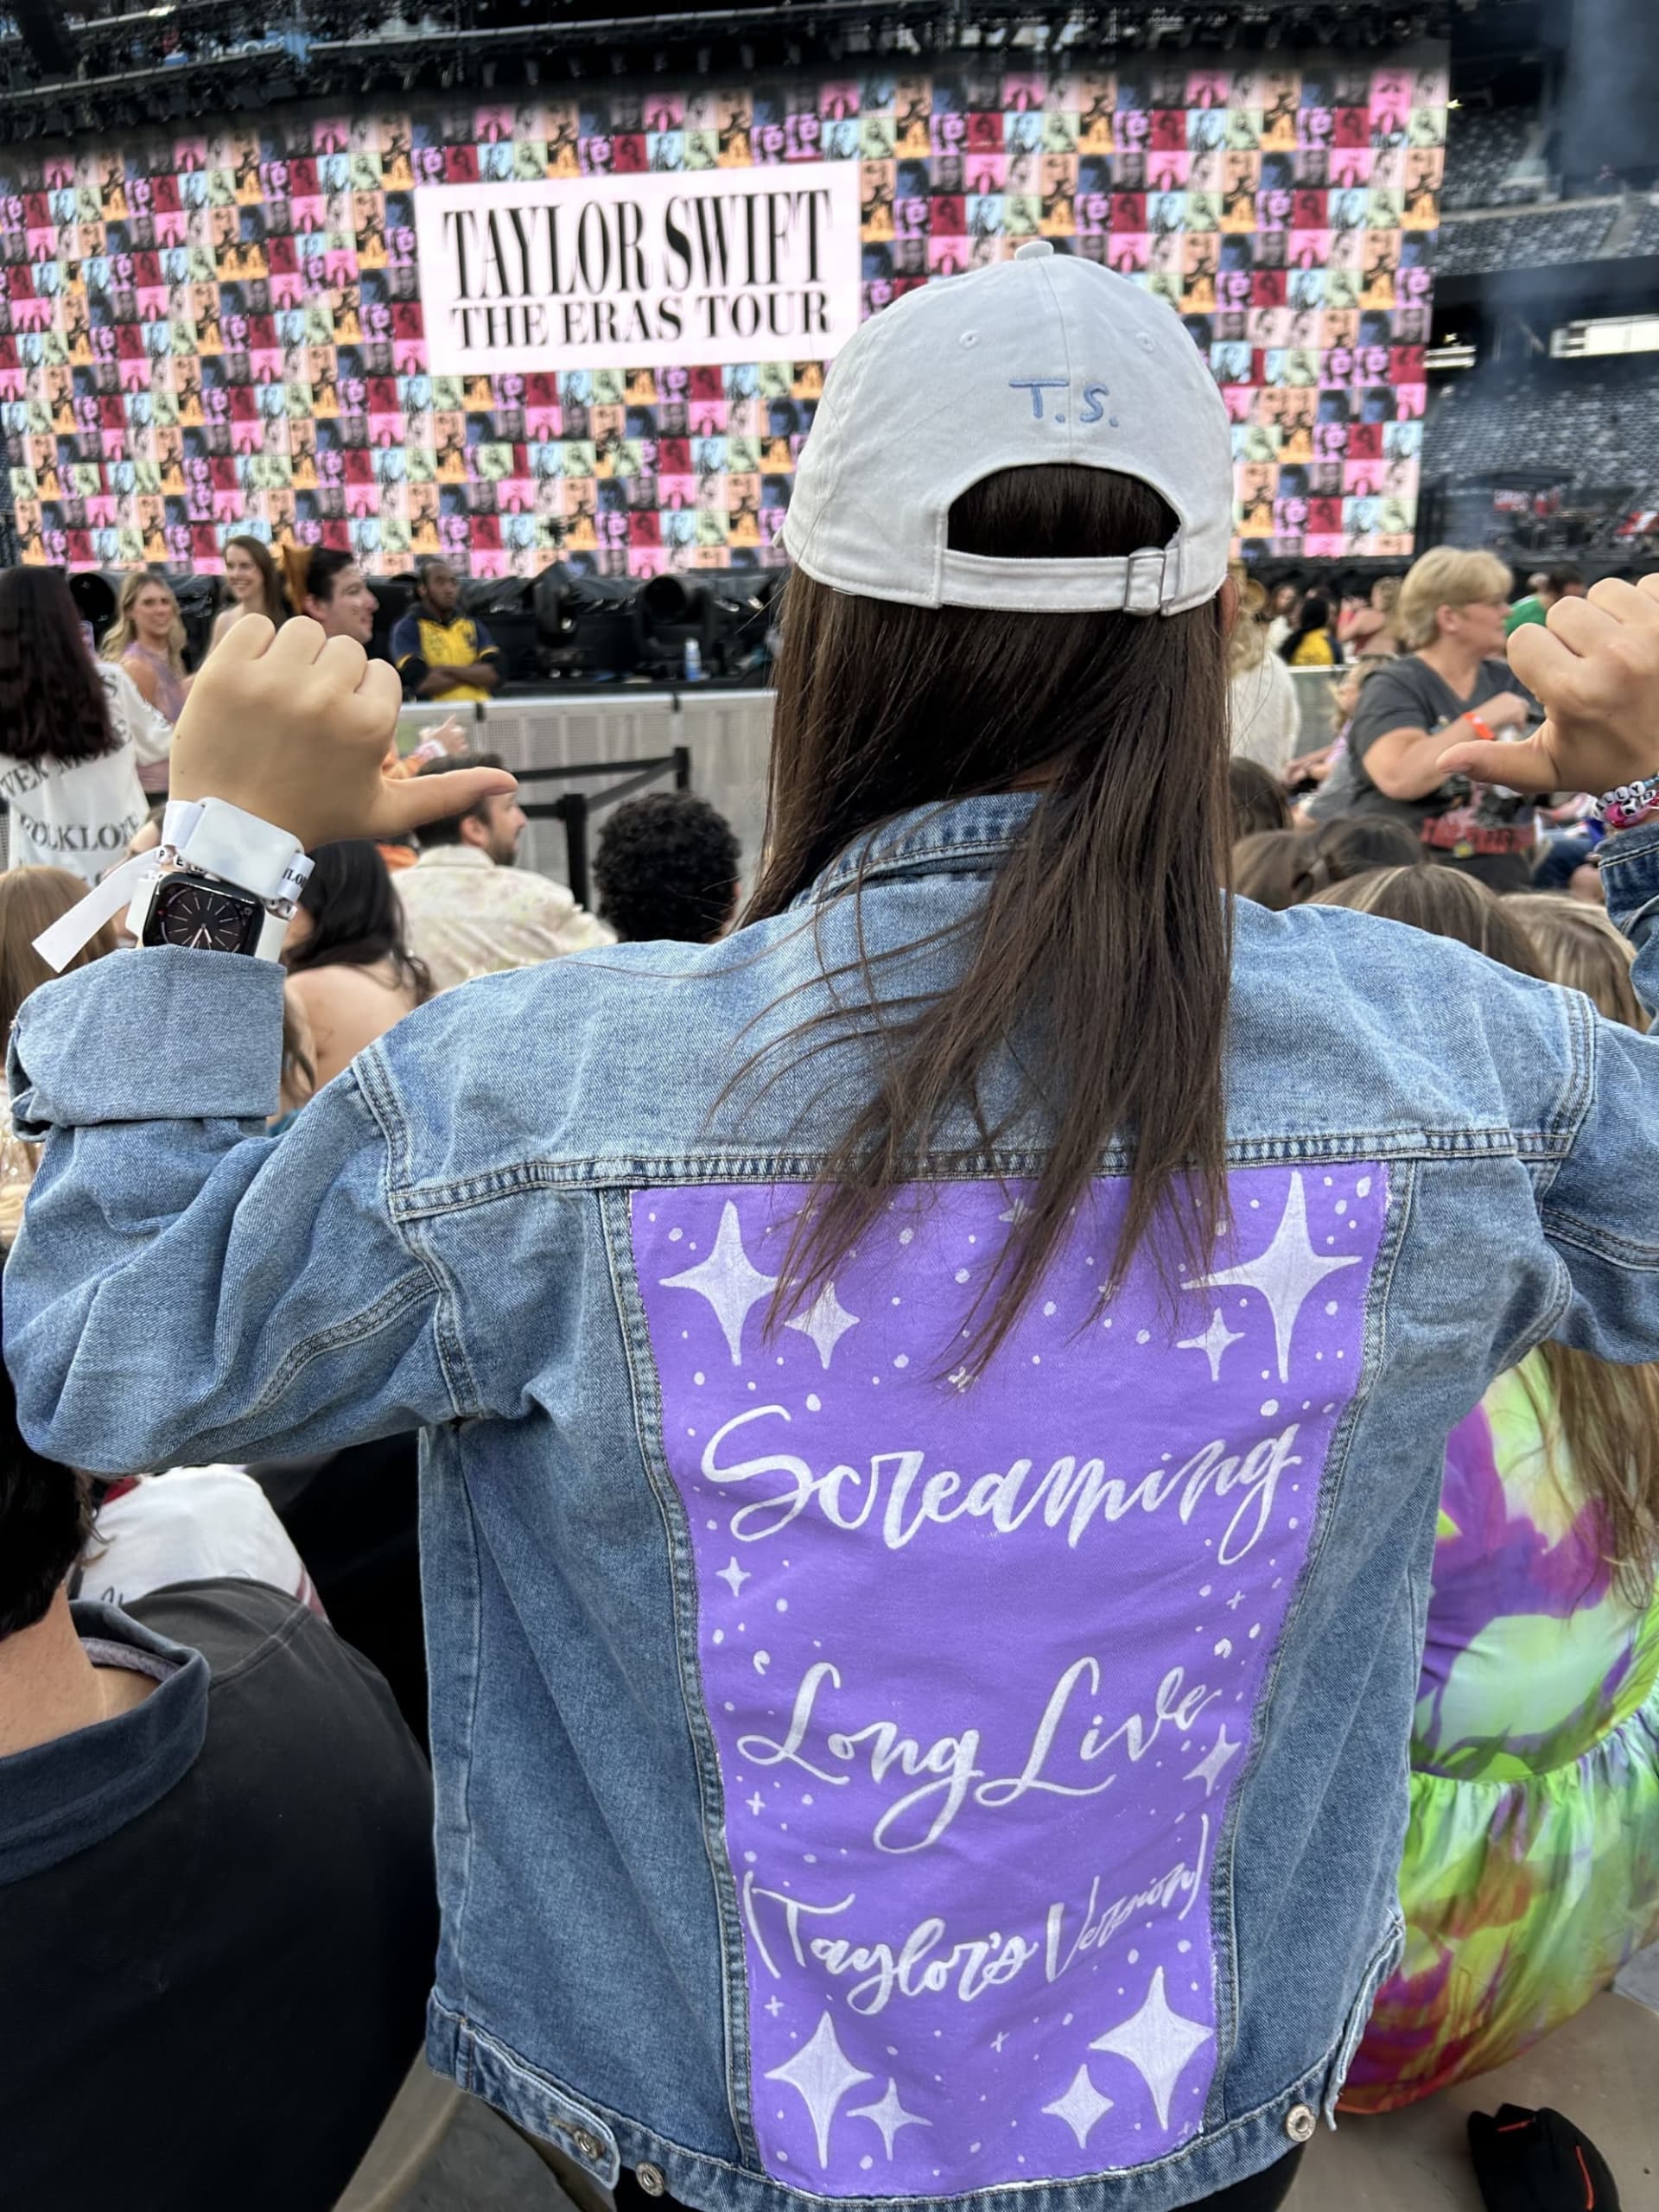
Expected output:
(1600, 1210)
(186, 1289)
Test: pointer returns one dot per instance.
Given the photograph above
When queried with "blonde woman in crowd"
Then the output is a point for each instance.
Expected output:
(1366, 626)
(1580, 947)
(146, 642)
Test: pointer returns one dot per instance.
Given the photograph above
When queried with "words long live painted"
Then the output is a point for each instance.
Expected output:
(696, 267)
(981, 1658)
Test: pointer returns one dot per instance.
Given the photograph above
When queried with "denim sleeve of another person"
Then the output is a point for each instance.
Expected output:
(1601, 1209)
(186, 1289)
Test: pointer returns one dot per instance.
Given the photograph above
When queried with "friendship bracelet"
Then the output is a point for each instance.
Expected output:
(1624, 808)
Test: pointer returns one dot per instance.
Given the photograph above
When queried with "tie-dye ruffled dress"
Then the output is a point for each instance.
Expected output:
(1531, 1869)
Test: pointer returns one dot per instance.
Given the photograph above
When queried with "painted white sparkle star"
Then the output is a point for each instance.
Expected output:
(734, 1577)
(1158, 2043)
(890, 2116)
(822, 2073)
(1081, 2106)
(1214, 1341)
(757, 1804)
(727, 1281)
(826, 1321)
(999, 2039)
(1285, 1275)
(1208, 1769)
(774, 2006)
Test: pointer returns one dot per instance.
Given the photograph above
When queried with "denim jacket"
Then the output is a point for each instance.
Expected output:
(859, 1777)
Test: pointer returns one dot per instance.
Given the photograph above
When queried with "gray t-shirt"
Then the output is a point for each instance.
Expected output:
(1409, 695)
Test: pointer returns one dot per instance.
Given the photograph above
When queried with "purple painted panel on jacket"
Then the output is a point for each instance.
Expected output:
(981, 1662)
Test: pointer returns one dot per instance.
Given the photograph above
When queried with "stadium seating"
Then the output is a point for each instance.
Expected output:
(1483, 147)
(1531, 239)
(1598, 421)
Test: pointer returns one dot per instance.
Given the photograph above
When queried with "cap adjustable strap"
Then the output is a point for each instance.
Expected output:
(1135, 583)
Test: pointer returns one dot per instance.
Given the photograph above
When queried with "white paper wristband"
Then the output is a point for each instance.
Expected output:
(237, 847)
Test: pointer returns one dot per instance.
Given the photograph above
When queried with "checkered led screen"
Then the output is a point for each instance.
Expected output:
(203, 336)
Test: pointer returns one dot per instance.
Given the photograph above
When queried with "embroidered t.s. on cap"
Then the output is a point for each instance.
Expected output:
(1040, 358)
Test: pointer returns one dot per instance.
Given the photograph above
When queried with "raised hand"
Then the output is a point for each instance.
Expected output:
(1596, 668)
(294, 727)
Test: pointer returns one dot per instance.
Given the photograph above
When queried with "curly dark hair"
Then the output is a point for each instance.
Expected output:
(666, 866)
(53, 703)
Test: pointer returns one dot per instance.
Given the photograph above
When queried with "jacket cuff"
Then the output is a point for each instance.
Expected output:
(163, 1034)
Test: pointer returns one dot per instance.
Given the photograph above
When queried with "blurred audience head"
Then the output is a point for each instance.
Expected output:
(1246, 641)
(438, 589)
(493, 827)
(1352, 844)
(53, 703)
(146, 613)
(31, 899)
(666, 866)
(331, 590)
(1462, 597)
(251, 577)
(1313, 614)
(1581, 947)
(1446, 903)
(1257, 797)
(350, 915)
(1565, 583)
(1351, 680)
(1274, 867)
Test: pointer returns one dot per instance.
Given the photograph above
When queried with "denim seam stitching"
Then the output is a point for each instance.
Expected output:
(408, 1290)
(1332, 1476)
(691, 1169)
(1579, 1086)
(682, 1572)
(380, 1097)
(1297, 2091)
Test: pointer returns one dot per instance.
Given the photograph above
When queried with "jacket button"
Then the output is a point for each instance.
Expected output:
(589, 2145)
(649, 2178)
(1299, 2124)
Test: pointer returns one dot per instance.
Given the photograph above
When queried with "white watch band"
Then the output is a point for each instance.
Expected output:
(208, 834)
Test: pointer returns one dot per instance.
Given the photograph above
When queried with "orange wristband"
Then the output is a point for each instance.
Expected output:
(1481, 728)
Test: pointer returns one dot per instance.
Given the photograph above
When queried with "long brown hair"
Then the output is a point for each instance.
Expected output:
(1103, 930)
(1606, 1414)
(273, 602)
(1581, 947)
(31, 899)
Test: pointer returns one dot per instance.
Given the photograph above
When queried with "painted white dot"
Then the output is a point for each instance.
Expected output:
(814, 1402)
(1330, 1304)
(1036, 1359)
(1363, 1188)
(895, 1301)
(1270, 1405)
(1049, 1307)
(961, 1274)
(699, 1378)
(720, 1635)
(906, 1236)
(675, 1235)
(1143, 1336)
(782, 1604)
(1342, 1206)
(903, 1360)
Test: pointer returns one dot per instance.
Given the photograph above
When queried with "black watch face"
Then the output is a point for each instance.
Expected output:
(208, 917)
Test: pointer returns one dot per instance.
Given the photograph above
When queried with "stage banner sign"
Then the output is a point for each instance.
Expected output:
(641, 271)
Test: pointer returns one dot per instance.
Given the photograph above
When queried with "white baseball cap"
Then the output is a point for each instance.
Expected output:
(1042, 358)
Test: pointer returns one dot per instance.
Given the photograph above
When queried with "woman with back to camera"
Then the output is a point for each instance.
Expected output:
(255, 586)
(1449, 683)
(1531, 1868)
(349, 970)
(999, 1220)
(1264, 713)
(75, 734)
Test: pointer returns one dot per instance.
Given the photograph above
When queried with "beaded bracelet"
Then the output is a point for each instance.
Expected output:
(1624, 808)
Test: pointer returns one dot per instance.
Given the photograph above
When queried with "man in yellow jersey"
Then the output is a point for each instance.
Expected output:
(443, 653)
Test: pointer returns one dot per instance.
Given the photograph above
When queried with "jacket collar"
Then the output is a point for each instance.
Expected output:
(453, 856)
(954, 836)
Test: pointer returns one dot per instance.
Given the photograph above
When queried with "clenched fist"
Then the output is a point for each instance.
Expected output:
(293, 727)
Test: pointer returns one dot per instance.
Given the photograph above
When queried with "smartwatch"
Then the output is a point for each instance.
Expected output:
(191, 909)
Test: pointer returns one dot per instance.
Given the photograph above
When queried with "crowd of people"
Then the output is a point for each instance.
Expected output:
(741, 1277)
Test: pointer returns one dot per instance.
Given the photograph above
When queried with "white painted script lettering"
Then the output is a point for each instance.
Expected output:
(1071, 1494)
(920, 1817)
